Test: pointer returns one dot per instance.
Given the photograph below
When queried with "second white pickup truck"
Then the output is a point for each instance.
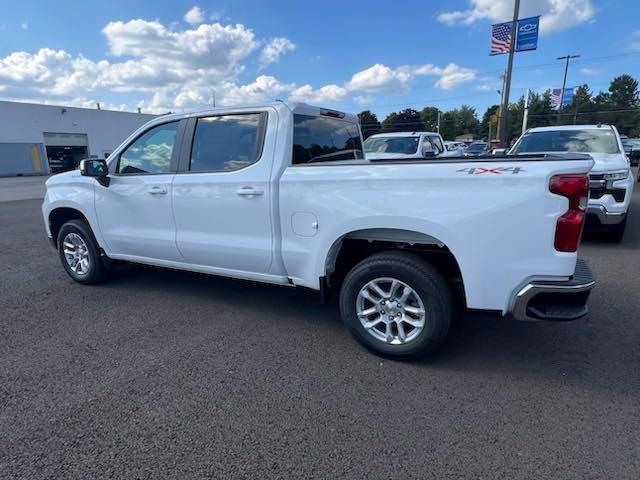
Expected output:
(281, 193)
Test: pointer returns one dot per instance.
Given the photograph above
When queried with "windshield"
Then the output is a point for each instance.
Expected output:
(631, 144)
(587, 141)
(477, 147)
(405, 145)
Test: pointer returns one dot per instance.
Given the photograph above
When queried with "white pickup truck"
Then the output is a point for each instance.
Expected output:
(611, 180)
(282, 194)
(407, 145)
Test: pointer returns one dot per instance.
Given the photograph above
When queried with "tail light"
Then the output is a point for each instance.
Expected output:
(570, 225)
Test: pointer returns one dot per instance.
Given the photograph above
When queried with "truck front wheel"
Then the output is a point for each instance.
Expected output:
(80, 253)
(396, 304)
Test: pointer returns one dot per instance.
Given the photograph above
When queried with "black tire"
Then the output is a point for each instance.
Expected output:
(427, 283)
(615, 233)
(96, 271)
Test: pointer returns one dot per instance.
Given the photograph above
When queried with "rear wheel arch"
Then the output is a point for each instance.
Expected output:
(353, 247)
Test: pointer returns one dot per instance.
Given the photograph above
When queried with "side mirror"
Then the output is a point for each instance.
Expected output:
(499, 151)
(634, 156)
(96, 168)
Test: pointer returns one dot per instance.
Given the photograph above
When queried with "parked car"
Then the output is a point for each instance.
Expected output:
(610, 180)
(282, 194)
(454, 149)
(405, 145)
(477, 149)
(632, 150)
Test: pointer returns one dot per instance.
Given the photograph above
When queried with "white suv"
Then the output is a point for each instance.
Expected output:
(610, 179)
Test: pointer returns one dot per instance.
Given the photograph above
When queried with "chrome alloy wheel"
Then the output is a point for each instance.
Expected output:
(390, 310)
(76, 253)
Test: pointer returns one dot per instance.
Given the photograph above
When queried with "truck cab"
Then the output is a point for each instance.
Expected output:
(283, 194)
(405, 145)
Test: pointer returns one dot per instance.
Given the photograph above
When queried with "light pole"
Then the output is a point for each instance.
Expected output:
(564, 80)
(504, 109)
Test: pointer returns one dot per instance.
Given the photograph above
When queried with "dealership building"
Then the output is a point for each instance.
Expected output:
(41, 139)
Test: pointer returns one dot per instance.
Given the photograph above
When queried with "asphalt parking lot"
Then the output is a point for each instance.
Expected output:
(163, 374)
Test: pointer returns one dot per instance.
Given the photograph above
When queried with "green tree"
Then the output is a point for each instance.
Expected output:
(489, 123)
(407, 120)
(624, 99)
(581, 107)
(459, 121)
(516, 115)
(541, 113)
(369, 123)
(429, 117)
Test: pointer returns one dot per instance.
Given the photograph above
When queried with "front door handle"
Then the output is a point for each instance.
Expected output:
(249, 191)
(157, 190)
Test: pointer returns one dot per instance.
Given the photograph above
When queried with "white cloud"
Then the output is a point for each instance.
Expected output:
(169, 68)
(363, 99)
(590, 71)
(453, 75)
(634, 43)
(556, 15)
(24, 26)
(273, 50)
(379, 77)
(327, 94)
(195, 16)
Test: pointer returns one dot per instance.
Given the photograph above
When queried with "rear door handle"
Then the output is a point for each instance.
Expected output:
(157, 190)
(250, 191)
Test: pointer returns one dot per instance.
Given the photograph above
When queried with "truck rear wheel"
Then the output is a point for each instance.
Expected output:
(80, 253)
(396, 304)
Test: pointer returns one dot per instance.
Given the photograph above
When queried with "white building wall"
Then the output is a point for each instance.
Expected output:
(25, 123)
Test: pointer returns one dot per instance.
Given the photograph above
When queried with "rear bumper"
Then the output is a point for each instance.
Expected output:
(604, 216)
(551, 300)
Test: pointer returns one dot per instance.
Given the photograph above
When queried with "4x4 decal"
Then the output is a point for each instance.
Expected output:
(494, 170)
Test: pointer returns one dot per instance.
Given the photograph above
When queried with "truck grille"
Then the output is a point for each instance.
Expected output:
(598, 187)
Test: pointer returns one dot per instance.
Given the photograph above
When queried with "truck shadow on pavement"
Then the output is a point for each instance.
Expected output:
(584, 351)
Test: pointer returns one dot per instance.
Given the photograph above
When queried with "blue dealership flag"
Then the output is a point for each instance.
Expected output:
(527, 38)
(558, 98)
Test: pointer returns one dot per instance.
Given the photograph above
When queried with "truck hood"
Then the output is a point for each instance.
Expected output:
(606, 162)
(63, 177)
(603, 162)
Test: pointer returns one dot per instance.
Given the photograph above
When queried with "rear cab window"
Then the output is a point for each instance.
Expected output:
(324, 139)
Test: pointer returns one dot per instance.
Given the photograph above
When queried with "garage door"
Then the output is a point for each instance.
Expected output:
(66, 139)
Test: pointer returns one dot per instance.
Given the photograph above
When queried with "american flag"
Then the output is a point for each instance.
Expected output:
(500, 38)
(556, 97)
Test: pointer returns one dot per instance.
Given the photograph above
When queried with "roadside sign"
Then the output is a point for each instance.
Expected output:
(527, 38)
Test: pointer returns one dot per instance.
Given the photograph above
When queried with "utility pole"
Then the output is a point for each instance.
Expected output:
(499, 112)
(564, 81)
(504, 109)
(438, 124)
(526, 111)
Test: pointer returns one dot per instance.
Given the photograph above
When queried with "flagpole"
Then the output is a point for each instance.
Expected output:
(504, 109)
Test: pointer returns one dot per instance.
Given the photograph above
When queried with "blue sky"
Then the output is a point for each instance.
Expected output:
(377, 55)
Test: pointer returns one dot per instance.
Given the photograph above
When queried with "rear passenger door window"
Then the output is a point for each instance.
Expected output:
(225, 143)
(151, 152)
